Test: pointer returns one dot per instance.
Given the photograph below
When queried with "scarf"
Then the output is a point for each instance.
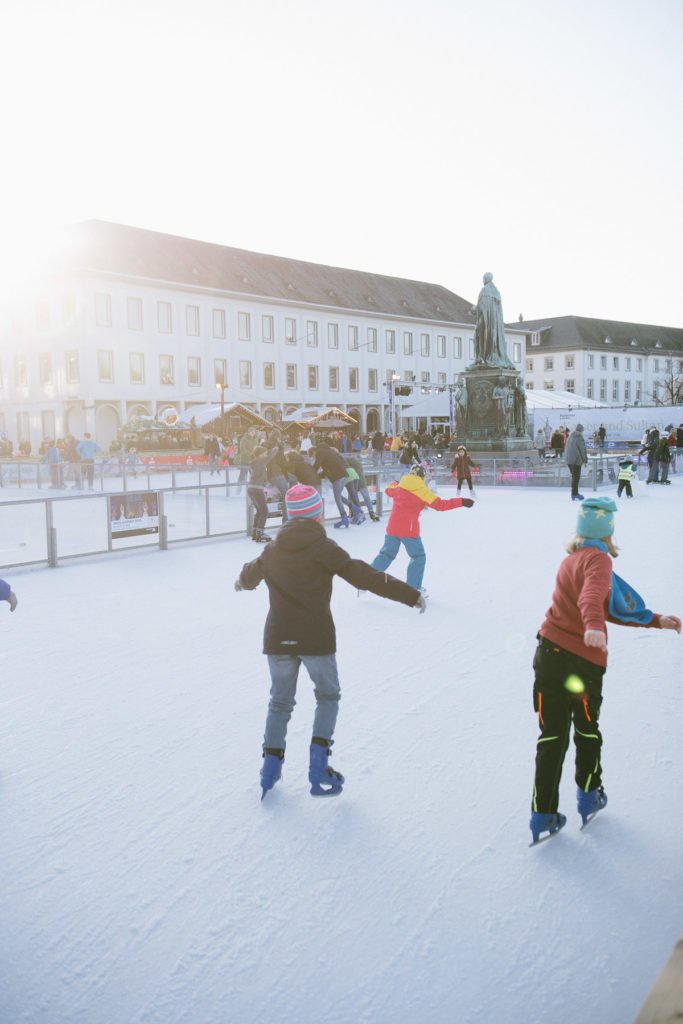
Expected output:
(625, 604)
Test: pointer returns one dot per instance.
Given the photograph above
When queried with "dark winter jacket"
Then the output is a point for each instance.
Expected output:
(278, 465)
(258, 468)
(462, 466)
(575, 449)
(302, 469)
(330, 462)
(298, 567)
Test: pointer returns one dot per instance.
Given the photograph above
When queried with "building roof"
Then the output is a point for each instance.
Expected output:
(583, 332)
(115, 249)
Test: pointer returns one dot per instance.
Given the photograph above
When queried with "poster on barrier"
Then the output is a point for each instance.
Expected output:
(132, 515)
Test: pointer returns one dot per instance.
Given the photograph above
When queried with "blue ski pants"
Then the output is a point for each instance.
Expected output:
(415, 551)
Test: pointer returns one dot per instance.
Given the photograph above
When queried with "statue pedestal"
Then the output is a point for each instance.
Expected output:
(496, 420)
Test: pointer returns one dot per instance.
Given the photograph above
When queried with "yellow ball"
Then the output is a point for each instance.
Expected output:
(574, 684)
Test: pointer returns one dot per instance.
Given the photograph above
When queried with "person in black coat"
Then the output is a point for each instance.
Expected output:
(302, 469)
(330, 463)
(298, 568)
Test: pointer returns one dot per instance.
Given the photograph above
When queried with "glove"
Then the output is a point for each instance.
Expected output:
(467, 502)
(421, 605)
(12, 601)
(238, 585)
(595, 638)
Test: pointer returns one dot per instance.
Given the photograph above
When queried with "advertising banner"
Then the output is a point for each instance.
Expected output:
(621, 424)
(132, 515)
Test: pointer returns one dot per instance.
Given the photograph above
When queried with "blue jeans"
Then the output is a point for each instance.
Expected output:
(284, 671)
(415, 551)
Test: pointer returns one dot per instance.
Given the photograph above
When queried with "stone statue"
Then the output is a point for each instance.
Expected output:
(521, 415)
(489, 336)
(501, 399)
(461, 410)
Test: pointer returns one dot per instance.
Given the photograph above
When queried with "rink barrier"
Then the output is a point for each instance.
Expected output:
(664, 1004)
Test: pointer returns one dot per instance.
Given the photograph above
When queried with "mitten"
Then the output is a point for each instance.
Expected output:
(467, 502)
(238, 585)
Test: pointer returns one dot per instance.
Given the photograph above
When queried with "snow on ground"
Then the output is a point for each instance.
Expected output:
(143, 882)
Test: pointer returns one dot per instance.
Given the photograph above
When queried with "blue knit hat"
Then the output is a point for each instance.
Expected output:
(303, 502)
(596, 518)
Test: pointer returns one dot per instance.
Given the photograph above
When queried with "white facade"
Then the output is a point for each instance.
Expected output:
(609, 375)
(86, 353)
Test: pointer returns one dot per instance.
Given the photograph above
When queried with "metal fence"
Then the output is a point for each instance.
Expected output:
(194, 502)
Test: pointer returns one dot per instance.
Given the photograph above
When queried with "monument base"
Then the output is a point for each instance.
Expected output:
(495, 420)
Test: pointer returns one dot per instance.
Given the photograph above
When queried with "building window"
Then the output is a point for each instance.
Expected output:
(73, 370)
(529, 386)
(192, 321)
(589, 389)
(136, 363)
(164, 317)
(627, 390)
(569, 386)
(548, 363)
(134, 309)
(372, 339)
(615, 362)
(334, 378)
(457, 348)
(639, 391)
(471, 348)
(244, 326)
(333, 335)
(425, 377)
(290, 331)
(102, 309)
(20, 372)
(655, 392)
(166, 372)
(312, 333)
(218, 323)
(603, 362)
(590, 363)
(245, 373)
(105, 367)
(407, 343)
(639, 365)
(569, 362)
(291, 376)
(615, 390)
(267, 328)
(69, 310)
(312, 378)
(353, 338)
(220, 372)
(390, 341)
(656, 366)
(441, 378)
(441, 346)
(269, 375)
(194, 371)
(45, 368)
(628, 362)
(23, 426)
(47, 424)
(603, 390)
(517, 351)
(548, 384)
(372, 379)
(424, 344)
(353, 378)
(530, 365)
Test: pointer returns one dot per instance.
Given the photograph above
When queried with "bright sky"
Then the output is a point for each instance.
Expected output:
(432, 140)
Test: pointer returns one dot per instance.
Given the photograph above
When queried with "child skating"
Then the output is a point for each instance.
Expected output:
(570, 663)
(462, 466)
(299, 567)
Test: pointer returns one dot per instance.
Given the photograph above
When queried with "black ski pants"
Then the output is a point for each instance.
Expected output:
(559, 706)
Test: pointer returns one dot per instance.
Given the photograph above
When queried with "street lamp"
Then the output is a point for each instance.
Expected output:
(221, 387)
(391, 384)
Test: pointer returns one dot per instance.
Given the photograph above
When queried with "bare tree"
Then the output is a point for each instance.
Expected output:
(668, 390)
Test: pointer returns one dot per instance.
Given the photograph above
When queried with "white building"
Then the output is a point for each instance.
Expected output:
(612, 362)
(135, 322)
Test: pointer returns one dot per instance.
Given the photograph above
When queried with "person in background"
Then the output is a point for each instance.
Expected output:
(576, 457)
(256, 491)
(7, 594)
(299, 567)
(362, 486)
(626, 474)
(570, 662)
(245, 453)
(462, 466)
(212, 450)
(330, 463)
(539, 441)
(651, 450)
(664, 459)
(87, 450)
(302, 469)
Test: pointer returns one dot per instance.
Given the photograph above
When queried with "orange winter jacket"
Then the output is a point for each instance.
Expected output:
(410, 495)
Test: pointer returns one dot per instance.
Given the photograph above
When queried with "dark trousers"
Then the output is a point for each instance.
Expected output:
(558, 709)
(258, 500)
(625, 485)
(461, 480)
(576, 477)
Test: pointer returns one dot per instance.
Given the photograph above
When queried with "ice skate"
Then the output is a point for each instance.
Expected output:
(589, 803)
(550, 823)
(271, 770)
(324, 780)
(343, 522)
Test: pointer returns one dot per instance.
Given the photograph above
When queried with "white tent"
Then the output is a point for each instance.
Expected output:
(437, 405)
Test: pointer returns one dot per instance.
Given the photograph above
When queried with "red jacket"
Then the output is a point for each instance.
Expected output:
(581, 602)
(410, 496)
